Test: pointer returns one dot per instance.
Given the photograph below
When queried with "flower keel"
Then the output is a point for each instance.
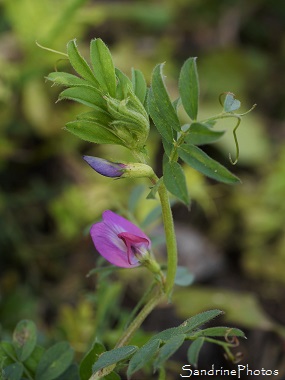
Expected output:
(136, 246)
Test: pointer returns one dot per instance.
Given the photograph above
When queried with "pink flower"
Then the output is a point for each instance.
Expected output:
(120, 241)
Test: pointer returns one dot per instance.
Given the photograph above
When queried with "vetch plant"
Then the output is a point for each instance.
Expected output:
(121, 111)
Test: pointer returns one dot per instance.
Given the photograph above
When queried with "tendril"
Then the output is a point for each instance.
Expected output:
(52, 50)
(236, 141)
(245, 113)
(238, 116)
(232, 340)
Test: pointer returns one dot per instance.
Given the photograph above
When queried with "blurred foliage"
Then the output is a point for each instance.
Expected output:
(49, 197)
(246, 309)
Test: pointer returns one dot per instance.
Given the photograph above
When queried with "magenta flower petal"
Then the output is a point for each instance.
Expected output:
(119, 241)
(110, 246)
(105, 167)
(122, 224)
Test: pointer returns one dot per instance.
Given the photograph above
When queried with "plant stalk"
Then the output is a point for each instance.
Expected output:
(170, 237)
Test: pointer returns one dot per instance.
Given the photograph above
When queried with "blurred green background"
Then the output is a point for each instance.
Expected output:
(49, 196)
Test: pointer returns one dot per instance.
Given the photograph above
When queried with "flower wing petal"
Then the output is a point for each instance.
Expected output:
(121, 224)
(112, 248)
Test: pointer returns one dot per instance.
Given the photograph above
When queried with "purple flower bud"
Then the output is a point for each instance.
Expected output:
(105, 167)
(119, 241)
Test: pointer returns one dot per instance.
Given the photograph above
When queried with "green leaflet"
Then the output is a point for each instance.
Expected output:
(139, 85)
(143, 356)
(85, 368)
(189, 325)
(113, 356)
(54, 361)
(221, 331)
(79, 64)
(160, 107)
(199, 319)
(158, 119)
(24, 339)
(14, 371)
(66, 79)
(103, 66)
(100, 116)
(199, 160)
(174, 179)
(194, 350)
(72, 373)
(7, 352)
(167, 146)
(201, 134)
(168, 349)
(167, 334)
(189, 87)
(32, 362)
(93, 132)
(88, 96)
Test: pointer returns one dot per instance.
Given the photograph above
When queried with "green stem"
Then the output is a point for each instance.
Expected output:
(170, 237)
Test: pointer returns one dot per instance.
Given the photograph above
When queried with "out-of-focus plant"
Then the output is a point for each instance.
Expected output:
(264, 239)
(120, 113)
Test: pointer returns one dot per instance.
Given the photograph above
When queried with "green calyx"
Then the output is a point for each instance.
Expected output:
(137, 170)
